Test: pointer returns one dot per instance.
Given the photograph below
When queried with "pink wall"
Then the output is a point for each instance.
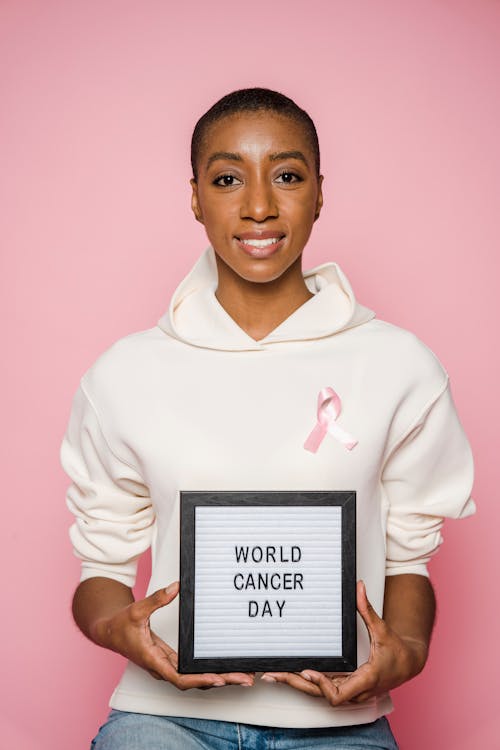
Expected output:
(98, 101)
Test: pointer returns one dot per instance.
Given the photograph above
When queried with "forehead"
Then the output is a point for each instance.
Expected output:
(254, 134)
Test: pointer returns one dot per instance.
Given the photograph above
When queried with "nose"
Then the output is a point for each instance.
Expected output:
(259, 201)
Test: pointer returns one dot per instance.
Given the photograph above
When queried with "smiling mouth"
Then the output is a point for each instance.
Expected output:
(260, 247)
(261, 243)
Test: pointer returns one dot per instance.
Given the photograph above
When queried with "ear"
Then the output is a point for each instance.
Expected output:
(319, 201)
(195, 204)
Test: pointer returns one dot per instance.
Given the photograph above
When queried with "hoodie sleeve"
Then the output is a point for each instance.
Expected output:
(427, 476)
(113, 513)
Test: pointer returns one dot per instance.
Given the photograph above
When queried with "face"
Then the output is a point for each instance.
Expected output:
(258, 193)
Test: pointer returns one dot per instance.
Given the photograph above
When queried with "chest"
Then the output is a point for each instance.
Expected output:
(216, 421)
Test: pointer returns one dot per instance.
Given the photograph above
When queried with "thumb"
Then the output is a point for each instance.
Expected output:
(365, 609)
(160, 598)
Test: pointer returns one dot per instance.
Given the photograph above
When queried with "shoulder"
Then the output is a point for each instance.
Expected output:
(396, 352)
(124, 365)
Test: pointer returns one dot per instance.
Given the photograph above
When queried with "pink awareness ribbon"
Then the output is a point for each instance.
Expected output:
(329, 406)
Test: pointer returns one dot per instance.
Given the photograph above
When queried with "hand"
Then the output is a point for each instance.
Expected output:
(128, 633)
(393, 660)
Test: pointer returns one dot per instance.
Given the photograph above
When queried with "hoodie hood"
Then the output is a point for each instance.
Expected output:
(196, 317)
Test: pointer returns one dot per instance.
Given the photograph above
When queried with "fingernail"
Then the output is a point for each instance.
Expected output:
(218, 683)
(246, 684)
(267, 678)
(170, 589)
(306, 676)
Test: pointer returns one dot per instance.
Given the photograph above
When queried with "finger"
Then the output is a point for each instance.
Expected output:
(188, 681)
(328, 688)
(294, 680)
(144, 608)
(238, 678)
(165, 665)
(163, 661)
(235, 678)
(163, 646)
(229, 678)
(334, 677)
(355, 686)
(343, 689)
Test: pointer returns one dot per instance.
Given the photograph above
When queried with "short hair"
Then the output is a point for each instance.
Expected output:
(252, 100)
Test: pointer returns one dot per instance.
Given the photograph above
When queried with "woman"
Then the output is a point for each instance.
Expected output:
(221, 395)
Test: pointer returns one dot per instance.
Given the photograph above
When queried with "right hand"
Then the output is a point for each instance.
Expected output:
(128, 633)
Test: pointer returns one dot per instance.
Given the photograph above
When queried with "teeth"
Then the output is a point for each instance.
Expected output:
(261, 243)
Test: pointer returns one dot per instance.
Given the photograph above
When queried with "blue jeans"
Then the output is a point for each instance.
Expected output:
(132, 731)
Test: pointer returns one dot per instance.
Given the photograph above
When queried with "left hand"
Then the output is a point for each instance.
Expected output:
(394, 659)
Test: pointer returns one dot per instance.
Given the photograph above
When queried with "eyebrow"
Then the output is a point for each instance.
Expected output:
(223, 155)
(278, 156)
(281, 155)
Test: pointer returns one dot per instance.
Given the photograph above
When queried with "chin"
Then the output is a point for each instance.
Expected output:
(258, 270)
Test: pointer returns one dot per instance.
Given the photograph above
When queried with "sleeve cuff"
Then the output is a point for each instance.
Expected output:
(120, 573)
(419, 569)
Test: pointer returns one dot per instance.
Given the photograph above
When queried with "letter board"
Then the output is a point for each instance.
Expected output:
(267, 581)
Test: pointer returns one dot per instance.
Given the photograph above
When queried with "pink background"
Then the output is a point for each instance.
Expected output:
(98, 102)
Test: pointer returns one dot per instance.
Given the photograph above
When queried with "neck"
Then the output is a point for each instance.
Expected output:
(259, 308)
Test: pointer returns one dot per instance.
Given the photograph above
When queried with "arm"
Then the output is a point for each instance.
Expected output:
(105, 611)
(426, 477)
(95, 600)
(399, 645)
(113, 526)
(410, 610)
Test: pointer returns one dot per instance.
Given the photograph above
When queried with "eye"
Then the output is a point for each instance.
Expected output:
(226, 180)
(288, 178)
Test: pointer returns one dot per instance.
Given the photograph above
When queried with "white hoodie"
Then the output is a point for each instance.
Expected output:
(194, 403)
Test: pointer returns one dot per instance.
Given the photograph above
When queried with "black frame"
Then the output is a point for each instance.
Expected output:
(188, 664)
